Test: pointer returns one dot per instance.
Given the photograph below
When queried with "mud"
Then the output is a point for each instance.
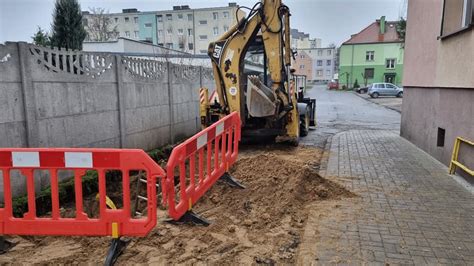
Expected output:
(262, 224)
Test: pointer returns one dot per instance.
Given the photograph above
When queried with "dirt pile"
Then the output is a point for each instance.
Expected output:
(260, 224)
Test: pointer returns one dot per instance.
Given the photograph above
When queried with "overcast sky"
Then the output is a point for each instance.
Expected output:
(331, 20)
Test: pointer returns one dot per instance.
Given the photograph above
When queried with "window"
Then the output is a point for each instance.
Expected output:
(190, 32)
(203, 37)
(190, 17)
(379, 86)
(127, 19)
(369, 73)
(169, 17)
(215, 15)
(160, 32)
(203, 51)
(390, 86)
(148, 39)
(320, 52)
(160, 44)
(135, 34)
(169, 45)
(180, 31)
(328, 62)
(390, 63)
(301, 66)
(329, 52)
(135, 19)
(302, 56)
(369, 56)
(180, 16)
(190, 46)
(216, 31)
(226, 14)
(159, 18)
(226, 28)
(458, 14)
(116, 20)
(328, 72)
(203, 22)
(127, 34)
(441, 137)
(319, 73)
(181, 45)
(169, 31)
(147, 25)
(320, 62)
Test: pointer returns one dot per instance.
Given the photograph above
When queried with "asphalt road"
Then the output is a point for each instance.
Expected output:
(338, 111)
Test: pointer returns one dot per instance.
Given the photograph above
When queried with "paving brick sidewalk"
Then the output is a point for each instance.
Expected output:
(408, 209)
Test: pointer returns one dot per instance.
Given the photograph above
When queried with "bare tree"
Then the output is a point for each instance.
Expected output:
(99, 26)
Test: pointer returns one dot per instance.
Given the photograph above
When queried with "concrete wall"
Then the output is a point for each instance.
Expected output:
(439, 90)
(51, 98)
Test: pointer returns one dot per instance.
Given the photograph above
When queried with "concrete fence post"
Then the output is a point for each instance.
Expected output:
(121, 100)
(200, 76)
(169, 66)
(29, 98)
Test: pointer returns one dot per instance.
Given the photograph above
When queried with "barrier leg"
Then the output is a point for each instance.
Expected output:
(117, 247)
(191, 217)
(231, 181)
(5, 245)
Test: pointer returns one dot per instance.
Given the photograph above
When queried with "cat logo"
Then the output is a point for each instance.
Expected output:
(217, 51)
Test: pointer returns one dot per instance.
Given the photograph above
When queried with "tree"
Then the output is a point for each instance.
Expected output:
(356, 84)
(99, 26)
(41, 38)
(401, 28)
(67, 29)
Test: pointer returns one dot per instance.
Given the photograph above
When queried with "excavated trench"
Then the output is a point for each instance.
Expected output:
(260, 224)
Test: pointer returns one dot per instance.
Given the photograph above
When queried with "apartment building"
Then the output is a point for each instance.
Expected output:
(324, 63)
(301, 40)
(183, 28)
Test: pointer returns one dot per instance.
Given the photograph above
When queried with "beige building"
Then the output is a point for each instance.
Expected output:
(438, 103)
(183, 28)
(301, 40)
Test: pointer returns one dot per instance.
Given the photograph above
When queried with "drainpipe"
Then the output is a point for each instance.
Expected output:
(194, 33)
(352, 65)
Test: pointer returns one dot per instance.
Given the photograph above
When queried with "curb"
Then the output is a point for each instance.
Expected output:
(323, 164)
(388, 107)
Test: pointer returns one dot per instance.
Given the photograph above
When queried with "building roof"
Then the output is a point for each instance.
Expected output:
(372, 34)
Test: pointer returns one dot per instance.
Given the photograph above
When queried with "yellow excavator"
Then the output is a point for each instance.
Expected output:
(271, 103)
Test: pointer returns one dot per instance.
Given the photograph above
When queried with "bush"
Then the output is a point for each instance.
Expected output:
(356, 84)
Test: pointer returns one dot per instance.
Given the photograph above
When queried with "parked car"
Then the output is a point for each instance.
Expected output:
(333, 85)
(384, 89)
(362, 89)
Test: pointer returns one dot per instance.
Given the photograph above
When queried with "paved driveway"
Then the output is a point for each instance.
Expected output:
(408, 210)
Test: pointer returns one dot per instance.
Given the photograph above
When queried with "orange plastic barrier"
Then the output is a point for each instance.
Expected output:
(110, 222)
(201, 161)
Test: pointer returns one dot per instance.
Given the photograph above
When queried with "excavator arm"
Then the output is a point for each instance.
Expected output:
(267, 108)
(271, 19)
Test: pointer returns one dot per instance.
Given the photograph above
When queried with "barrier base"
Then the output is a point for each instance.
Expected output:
(231, 181)
(5, 245)
(116, 249)
(191, 217)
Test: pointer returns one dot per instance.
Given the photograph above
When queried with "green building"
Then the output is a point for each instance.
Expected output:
(373, 55)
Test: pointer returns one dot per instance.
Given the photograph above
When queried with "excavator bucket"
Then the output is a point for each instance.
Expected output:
(261, 100)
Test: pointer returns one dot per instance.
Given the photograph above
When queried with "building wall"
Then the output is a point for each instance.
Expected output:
(148, 33)
(439, 93)
(352, 62)
(303, 64)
